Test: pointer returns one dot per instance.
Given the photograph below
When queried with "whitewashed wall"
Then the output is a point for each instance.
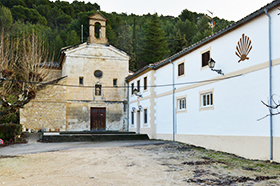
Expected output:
(238, 97)
(232, 125)
(144, 101)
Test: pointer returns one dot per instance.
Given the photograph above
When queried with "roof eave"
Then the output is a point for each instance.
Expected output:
(220, 33)
(136, 74)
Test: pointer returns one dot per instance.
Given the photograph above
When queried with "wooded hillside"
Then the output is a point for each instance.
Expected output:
(146, 38)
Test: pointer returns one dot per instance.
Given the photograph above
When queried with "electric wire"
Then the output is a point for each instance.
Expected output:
(115, 87)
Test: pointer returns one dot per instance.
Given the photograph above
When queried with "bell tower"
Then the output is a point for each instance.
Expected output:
(97, 29)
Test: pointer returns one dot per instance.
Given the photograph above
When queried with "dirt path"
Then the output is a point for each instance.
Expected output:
(165, 164)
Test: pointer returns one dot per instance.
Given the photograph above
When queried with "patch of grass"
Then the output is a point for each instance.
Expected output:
(239, 162)
(227, 160)
(235, 162)
(2, 157)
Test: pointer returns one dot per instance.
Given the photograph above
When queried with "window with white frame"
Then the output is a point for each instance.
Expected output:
(205, 58)
(182, 104)
(145, 116)
(207, 99)
(181, 69)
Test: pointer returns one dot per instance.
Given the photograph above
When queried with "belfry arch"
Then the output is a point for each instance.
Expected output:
(97, 29)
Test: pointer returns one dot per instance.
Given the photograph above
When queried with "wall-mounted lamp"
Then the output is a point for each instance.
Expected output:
(136, 93)
(140, 107)
(211, 64)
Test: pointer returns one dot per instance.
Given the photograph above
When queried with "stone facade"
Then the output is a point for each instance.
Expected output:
(54, 74)
(47, 111)
(78, 115)
(95, 79)
(81, 63)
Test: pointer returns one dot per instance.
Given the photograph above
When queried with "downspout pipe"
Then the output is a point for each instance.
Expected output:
(270, 86)
(127, 107)
(173, 100)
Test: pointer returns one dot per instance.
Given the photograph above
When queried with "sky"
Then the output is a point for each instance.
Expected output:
(232, 10)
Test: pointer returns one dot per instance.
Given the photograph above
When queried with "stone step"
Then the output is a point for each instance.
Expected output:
(97, 132)
(62, 137)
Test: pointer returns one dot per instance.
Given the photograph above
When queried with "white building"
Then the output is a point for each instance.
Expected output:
(184, 100)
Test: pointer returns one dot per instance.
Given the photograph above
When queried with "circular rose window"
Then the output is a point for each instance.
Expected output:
(98, 74)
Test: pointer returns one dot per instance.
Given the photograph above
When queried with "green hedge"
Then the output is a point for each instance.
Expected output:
(10, 118)
(10, 131)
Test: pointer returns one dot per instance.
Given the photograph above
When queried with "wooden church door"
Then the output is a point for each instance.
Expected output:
(97, 118)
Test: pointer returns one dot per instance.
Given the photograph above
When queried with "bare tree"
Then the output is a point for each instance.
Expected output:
(22, 70)
(273, 108)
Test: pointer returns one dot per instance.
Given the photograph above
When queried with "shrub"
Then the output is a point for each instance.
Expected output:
(8, 132)
(10, 118)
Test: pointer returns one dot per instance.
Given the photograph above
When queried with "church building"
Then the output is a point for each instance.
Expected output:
(91, 94)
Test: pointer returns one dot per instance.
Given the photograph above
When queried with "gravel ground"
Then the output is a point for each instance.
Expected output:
(165, 163)
(189, 165)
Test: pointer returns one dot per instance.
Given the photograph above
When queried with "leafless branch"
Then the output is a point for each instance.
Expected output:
(273, 109)
(273, 114)
(21, 58)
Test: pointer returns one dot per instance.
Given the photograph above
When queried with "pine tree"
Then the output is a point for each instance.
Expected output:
(186, 14)
(133, 62)
(154, 43)
(203, 30)
(188, 28)
(72, 38)
(133, 57)
(6, 18)
(124, 41)
(179, 42)
(110, 34)
(134, 35)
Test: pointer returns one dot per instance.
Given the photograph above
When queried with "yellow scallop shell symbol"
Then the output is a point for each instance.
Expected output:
(243, 48)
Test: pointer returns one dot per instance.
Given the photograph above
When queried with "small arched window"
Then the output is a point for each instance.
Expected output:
(97, 31)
